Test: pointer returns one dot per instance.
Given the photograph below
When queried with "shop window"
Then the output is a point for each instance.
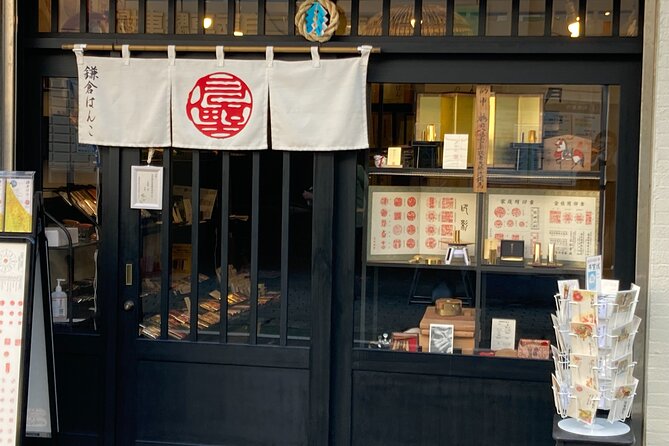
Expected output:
(44, 19)
(498, 18)
(216, 17)
(187, 20)
(98, 16)
(344, 9)
(599, 18)
(566, 21)
(531, 18)
(466, 18)
(246, 18)
(156, 16)
(262, 262)
(370, 17)
(276, 18)
(70, 184)
(127, 13)
(429, 246)
(434, 18)
(629, 18)
(68, 16)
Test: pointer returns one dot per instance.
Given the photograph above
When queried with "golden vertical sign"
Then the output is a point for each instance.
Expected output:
(482, 124)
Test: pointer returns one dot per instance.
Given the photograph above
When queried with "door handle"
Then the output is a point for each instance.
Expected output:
(128, 305)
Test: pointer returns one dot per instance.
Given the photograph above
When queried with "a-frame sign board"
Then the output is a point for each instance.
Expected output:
(27, 383)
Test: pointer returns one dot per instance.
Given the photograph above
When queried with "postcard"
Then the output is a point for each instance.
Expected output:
(624, 306)
(621, 407)
(583, 404)
(623, 338)
(583, 306)
(583, 341)
(583, 370)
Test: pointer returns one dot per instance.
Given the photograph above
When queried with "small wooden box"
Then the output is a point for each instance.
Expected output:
(464, 328)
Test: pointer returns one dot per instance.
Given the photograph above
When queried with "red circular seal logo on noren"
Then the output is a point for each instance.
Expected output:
(219, 105)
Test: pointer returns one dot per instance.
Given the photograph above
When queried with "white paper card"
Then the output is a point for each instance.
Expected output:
(503, 334)
(593, 273)
(455, 151)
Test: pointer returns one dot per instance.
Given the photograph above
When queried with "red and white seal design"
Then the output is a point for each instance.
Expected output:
(219, 105)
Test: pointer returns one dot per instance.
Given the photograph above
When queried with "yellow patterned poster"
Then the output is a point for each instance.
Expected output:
(19, 204)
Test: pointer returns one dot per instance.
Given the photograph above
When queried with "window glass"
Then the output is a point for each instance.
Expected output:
(276, 18)
(629, 18)
(566, 21)
(466, 18)
(156, 16)
(216, 17)
(402, 18)
(98, 16)
(246, 18)
(437, 258)
(70, 183)
(434, 18)
(126, 16)
(370, 17)
(599, 18)
(531, 18)
(68, 16)
(44, 19)
(187, 20)
(344, 9)
(498, 18)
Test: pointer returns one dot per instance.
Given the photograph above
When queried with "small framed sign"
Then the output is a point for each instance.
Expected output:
(441, 338)
(512, 252)
(146, 187)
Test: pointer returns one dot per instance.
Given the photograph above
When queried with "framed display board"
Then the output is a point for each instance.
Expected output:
(408, 221)
(27, 380)
(569, 220)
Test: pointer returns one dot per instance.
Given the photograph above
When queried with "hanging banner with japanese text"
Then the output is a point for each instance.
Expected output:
(123, 101)
(219, 104)
(319, 105)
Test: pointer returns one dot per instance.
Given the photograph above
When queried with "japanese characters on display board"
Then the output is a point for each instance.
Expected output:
(418, 220)
(567, 220)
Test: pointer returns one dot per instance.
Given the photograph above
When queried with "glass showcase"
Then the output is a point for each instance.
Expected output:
(478, 199)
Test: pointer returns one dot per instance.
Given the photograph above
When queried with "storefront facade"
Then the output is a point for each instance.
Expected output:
(295, 361)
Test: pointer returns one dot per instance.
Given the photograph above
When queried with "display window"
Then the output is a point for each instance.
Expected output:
(444, 244)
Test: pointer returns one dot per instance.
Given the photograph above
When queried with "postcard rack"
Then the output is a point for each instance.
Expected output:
(593, 357)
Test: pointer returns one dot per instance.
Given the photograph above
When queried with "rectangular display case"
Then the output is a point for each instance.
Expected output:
(428, 235)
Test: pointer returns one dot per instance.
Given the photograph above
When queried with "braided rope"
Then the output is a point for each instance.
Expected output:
(333, 21)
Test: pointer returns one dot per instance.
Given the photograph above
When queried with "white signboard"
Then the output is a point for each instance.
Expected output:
(415, 220)
(569, 220)
(13, 267)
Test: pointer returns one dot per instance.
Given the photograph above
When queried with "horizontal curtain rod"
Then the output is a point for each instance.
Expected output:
(228, 49)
